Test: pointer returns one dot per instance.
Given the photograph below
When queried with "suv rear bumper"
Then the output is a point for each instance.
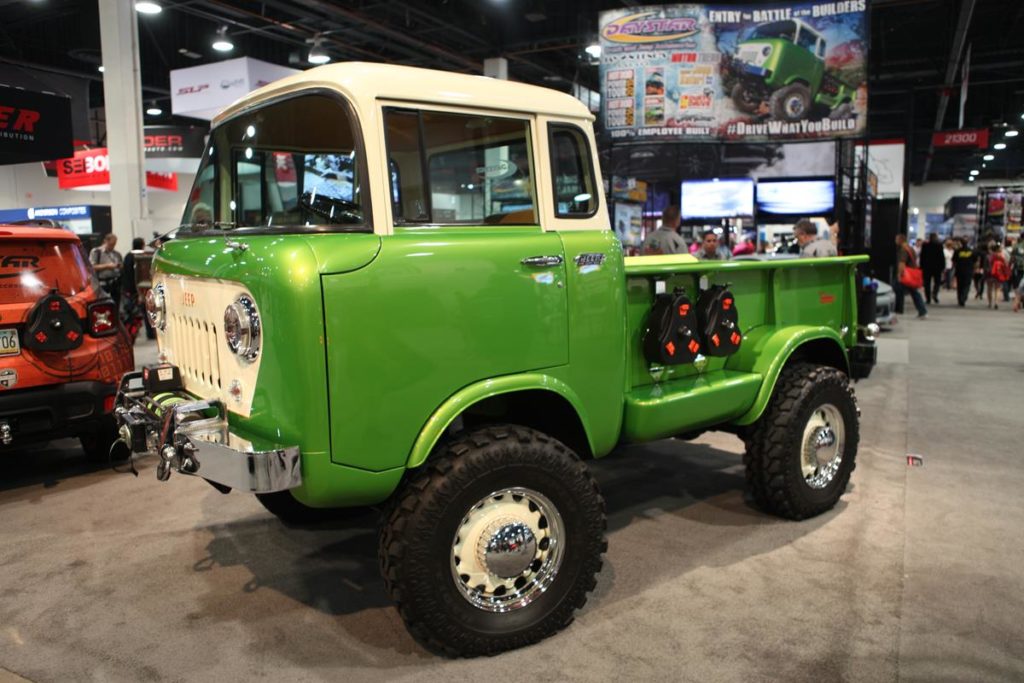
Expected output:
(55, 411)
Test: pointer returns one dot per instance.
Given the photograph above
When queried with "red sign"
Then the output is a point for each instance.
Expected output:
(91, 167)
(162, 181)
(977, 137)
(87, 167)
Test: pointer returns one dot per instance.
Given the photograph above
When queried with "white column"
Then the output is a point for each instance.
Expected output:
(496, 67)
(122, 101)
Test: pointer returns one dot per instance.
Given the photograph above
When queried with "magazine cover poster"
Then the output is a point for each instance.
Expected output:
(765, 72)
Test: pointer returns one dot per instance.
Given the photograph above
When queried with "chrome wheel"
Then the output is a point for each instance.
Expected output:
(795, 106)
(507, 550)
(822, 446)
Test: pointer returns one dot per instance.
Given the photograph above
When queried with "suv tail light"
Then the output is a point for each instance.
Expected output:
(102, 318)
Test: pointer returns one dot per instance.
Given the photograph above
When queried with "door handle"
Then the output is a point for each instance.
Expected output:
(541, 261)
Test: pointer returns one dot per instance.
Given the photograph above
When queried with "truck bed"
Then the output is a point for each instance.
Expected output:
(780, 302)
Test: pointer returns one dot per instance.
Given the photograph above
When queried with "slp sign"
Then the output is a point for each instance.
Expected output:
(961, 138)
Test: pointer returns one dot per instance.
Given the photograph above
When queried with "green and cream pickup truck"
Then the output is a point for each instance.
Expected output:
(398, 287)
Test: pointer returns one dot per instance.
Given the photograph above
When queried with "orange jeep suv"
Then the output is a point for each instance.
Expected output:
(62, 346)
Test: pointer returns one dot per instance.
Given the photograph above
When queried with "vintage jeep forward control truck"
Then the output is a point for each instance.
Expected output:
(398, 286)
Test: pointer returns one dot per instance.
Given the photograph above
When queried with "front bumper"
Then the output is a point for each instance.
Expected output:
(54, 411)
(193, 437)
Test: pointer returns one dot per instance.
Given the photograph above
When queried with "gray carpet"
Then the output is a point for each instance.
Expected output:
(916, 575)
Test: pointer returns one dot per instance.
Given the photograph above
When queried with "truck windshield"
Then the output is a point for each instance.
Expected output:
(288, 165)
(776, 29)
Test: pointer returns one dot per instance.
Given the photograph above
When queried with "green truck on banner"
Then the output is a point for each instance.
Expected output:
(758, 73)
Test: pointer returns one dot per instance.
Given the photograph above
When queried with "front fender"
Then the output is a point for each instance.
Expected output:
(457, 404)
(766, 350)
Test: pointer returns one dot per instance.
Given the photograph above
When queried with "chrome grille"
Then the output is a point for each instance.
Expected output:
(195, 346)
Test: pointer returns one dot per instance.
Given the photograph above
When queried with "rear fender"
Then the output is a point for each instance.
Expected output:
(767, 350)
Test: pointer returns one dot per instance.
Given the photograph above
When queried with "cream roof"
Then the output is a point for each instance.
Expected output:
(365, 82)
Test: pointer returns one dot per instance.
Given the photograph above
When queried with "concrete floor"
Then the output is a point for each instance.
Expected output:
(917, 574)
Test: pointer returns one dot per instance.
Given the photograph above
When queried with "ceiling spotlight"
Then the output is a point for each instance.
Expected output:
(100, 68)
(1011, 133)
(975, 171)
(999, 145)
(989, 157)
(317, 55)
(593, 50)
(147, 7)
(971, 179)
(223, 43)
(154, 109)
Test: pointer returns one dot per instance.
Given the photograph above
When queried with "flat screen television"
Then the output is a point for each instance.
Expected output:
(805, 197)
(720, 198)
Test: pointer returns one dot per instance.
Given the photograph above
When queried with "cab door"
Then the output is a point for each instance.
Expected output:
(467, 286)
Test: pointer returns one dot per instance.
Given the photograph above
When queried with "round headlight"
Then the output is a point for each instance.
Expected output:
(242, 328)
(766, 50)
(156, 307)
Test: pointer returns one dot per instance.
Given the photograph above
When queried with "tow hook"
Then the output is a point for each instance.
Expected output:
(6, 437)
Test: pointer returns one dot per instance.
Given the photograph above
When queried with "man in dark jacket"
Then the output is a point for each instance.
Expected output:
(933, 262)
(963, 266)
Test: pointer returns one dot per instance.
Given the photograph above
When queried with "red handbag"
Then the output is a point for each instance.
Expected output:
(912, 277)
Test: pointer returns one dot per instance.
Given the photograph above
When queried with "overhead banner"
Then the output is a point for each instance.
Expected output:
(34, 126)
(90, 170)
(765, 72)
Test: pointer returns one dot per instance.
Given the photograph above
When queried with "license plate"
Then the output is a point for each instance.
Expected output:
(9, 344)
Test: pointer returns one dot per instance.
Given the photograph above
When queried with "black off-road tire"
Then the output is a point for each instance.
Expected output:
(284, 506)
(775, 479)
(97, 443)
(779, 108)
(417, 539)
(744, 98)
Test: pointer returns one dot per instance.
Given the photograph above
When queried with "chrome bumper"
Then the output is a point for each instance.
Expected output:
(193, 437)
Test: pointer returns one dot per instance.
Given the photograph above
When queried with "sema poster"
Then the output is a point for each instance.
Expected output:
(773, 71)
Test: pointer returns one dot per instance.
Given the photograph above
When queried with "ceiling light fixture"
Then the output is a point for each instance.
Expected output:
(100, 68)
(971, 179)
(975, 171)
(148, 7)
(593, 50)
(223, 43)
(317, 55)
(1011, 133)
(999, 145)
(989, 157)
(154, 109)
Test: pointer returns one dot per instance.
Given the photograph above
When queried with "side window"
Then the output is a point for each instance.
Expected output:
(455, 169)
(806, 40)
(572, 171)
(821, 48)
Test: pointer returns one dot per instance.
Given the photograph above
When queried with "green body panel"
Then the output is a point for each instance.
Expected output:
(688, 403)
(789, 63)
(765, 352)
(284, 277)
(442, 418)
(438, 310)
(379, 343)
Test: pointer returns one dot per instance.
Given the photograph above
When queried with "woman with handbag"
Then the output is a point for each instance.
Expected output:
(998, 274)
(909, 277)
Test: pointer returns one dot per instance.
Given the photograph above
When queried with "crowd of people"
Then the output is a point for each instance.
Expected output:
(992, 267)
(712, 246)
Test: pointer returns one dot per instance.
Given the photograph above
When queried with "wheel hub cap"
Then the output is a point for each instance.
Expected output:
(507, 550)
(796, 106)
(822, 446)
